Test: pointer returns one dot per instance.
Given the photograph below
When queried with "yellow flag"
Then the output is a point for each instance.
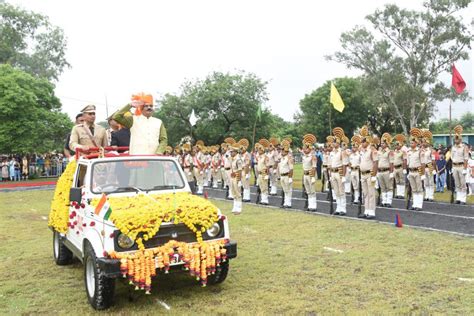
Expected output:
(336, 99)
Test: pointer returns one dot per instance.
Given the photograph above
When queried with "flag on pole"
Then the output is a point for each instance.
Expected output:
(259, 112)
(336, 99)
(457, 81)
(103, 209)
(193, 119)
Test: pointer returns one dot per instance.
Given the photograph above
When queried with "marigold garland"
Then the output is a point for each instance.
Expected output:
(140, 216)
(201, 259)
(59, 213)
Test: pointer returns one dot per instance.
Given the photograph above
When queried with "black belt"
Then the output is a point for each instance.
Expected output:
(355, 168)
(307, 173)
(335, 169)
(413, 169)
(284, 174)
(383, 169)
(397, 166)
(365, 172)
(458, 164)
(227, 168)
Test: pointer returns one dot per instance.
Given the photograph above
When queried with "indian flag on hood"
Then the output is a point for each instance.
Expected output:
(103, 209)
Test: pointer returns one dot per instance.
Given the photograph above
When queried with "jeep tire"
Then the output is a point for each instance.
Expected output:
(62, 255)
(220, 275)
(99, 289)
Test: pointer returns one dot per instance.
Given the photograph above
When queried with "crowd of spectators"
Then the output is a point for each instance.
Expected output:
(24, 167)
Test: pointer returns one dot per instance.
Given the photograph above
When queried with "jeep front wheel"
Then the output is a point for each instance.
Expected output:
(62, 255)
(100, 289)
(220, 275)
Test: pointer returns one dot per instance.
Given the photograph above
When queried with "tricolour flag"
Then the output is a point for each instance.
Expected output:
(336, 99)
(457, 81)
(103, 209)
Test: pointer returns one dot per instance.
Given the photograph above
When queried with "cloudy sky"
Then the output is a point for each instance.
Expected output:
(117, 48)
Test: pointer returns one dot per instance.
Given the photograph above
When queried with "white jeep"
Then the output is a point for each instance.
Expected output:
(90, 238)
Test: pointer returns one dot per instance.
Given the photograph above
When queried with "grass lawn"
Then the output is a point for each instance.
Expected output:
(288, 263)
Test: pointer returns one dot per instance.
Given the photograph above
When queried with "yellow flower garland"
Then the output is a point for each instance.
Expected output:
(200, 259)
(59, 213)
(143, 214)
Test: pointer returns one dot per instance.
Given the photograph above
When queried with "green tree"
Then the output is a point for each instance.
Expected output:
(29, 42)
(317, 115)
(404, 54)
(442, 126)
(30, 114)
(226, 105)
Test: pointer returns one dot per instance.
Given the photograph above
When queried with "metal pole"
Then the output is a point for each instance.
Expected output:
(450, 125)
(106, 107)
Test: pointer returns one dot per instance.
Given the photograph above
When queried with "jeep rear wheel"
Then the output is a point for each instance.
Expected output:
(220, 275)
(99, 289)
(62, 255)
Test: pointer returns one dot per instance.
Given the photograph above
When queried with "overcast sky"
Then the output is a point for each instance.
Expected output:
(117, 48)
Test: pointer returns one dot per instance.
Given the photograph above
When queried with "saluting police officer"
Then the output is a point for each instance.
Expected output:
(88, 134)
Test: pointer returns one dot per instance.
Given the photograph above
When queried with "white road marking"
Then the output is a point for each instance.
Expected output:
(333, 250)
(466, 279)
(44, 218)
(166, 306)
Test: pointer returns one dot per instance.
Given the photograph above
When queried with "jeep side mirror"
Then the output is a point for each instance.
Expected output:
(75, 195)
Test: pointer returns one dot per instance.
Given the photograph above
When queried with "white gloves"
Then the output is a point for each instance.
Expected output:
(189, 173)
(373, 179)
(423, 178)
(290, 180)
(404, 171)
(313, 180)
(247, 176)
(201, 172)
(274, 171)
(239, 184)
(266, 177)
(391, 175)
(464, 171)
(343, 179)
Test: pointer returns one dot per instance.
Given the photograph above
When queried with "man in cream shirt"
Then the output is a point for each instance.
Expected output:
(147, 133)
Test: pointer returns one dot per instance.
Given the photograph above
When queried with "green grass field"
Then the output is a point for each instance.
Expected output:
(288, 263)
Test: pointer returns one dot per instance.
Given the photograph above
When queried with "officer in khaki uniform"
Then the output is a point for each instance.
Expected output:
(385, 170)
(285, 169)
(398, 171)
(338, 165)
(309, 170)
(354, 164)
(199, 165)
(236, 166)
(427, 152)
(368, 172)
(273, 162)
(216, 160)
(459, 157)
(262, 171)
(347, 153)
(415, 163)
(245, 156)
(88, 134)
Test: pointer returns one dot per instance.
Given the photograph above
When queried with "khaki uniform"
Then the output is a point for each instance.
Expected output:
(385, 176)
(216, 169)
(81, 135)
(346, 161)
(398, 173)
(245, 156)
(262, 171)
(198, 170)
(227, 172)
(459, 157)
(236, 166)
(273, 164)
(415, 160)
(354, 163)
(285, 169)
(337, 158)
(309, 180)
(188, 167)
(429, 180)
(368, 160)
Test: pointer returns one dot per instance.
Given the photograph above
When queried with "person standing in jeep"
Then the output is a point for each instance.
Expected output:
(147, 133)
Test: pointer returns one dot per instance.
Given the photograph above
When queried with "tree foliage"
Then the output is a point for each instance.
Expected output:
(29, 42)
(226, 105)
(442, 126)
(318, 116)
(404, 54)
(30, 114)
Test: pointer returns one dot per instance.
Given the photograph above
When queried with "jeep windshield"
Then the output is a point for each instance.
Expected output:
(135, 176)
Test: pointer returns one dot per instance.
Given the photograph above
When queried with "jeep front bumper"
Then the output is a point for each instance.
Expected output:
(111, 267)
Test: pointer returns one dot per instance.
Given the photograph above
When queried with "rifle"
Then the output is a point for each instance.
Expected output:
(323, 180)
(379, 192)
(331, 206)
(352, 191)
(259, 192)
(282, 197)
(453, 187)
(305, 195)
(409, 194)
(360, 195)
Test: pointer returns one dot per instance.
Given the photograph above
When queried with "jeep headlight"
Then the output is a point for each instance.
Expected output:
(125, 242)
(214, 230)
